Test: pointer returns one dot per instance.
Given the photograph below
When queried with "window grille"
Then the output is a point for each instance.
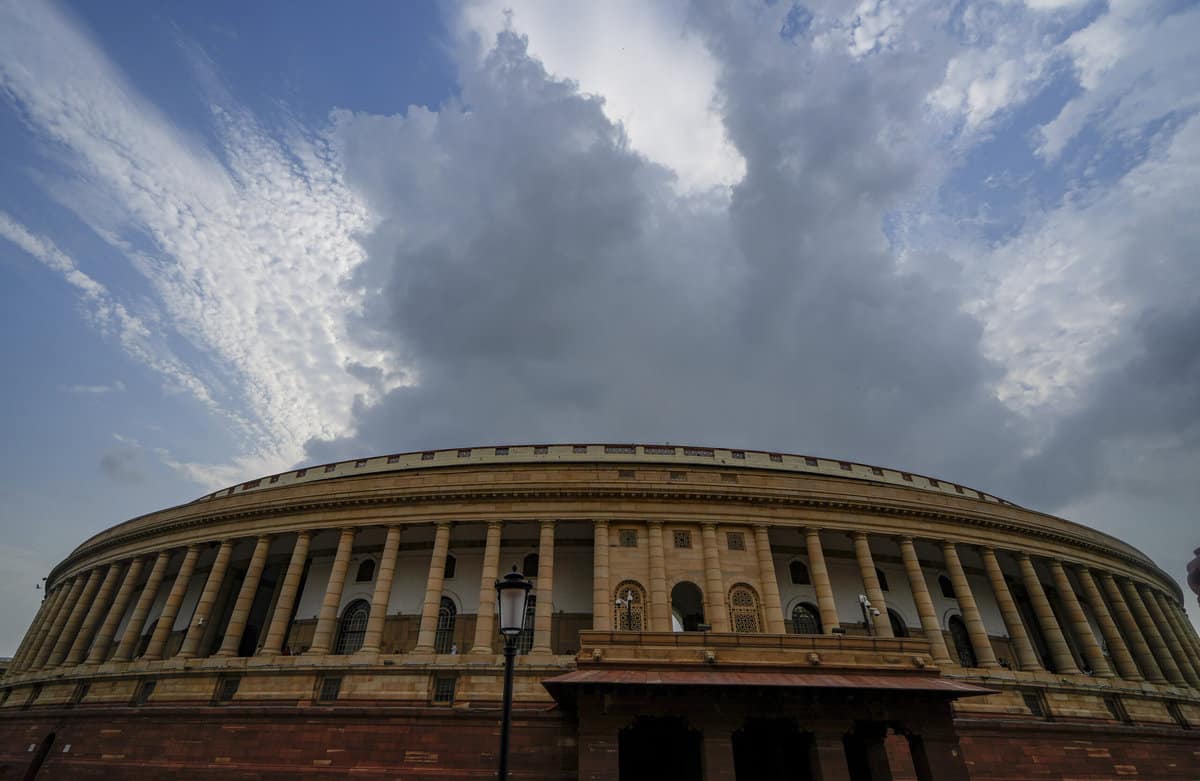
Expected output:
(353, 627)
(962, 642)
(806, 620)
(226, 688)
(443, 689)
(682, 538)
(744, 612)
(736, 540)
(629, 617)
(366, 571)
(628, 538)
(525, 638)
(652, 450)
(799, 573)
(331, 688)
(444, 639)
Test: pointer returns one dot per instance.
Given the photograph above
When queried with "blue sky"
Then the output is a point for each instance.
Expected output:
(957, 239)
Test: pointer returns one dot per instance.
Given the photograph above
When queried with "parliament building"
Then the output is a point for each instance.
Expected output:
(696, 613)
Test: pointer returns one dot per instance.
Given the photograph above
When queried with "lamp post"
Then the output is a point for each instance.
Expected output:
(511, 593)
(626, 603)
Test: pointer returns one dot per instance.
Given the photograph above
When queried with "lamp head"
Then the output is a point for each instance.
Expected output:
(512, 592)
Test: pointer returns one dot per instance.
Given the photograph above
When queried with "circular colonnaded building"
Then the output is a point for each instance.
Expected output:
(697, 613)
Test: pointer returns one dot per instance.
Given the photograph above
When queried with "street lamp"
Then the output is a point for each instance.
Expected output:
(626, 603)
(511, 594)
(869, 611)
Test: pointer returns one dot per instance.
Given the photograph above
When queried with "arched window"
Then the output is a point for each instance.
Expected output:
(525, 639)
(946, 586)
(799, 573)
(883, 584)
(451, 564)
(898, 627)
(806, 620)
(366, 571)
(687, 607)
(447, 614)
(629, 607)
(744, 614)
(353, 627)
(529, 567)
(962, 642)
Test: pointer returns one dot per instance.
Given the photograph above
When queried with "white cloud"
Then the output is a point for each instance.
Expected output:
(115, 387)
(656, 77)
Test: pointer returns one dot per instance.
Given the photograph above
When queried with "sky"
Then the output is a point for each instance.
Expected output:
(953, 238)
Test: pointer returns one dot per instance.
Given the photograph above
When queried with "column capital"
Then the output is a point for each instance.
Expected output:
(858, 534)
(544, 522)
(708, 525)
(498, 524)
(655, 523)
(908, 538)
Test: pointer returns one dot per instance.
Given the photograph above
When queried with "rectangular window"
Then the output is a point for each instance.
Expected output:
(360, 463)
(679, 475)
(143, 692)
(933, 482)
(1117, 709)
(331, 687)
(628, 538)
(776, 457)
(698, 451)
(736, 540)
(330, 467)
(301, 472)
(810, 461)
(846, 465)
(682, 538)
(226, 688)
(621, 450)
(393, 459)
(274, 479)
(652, 450)
(501, 451)
(443, 690)
(877, 471)
(579, 449)
(541, 450)
(466, 452)
(1035, 703)
(251, 484)
(738, 453)
(626, 473)
(427, 455)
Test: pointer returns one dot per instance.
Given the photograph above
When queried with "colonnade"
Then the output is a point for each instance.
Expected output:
(1145, 631)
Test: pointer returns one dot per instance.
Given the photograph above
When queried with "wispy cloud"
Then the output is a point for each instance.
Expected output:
(116, 387)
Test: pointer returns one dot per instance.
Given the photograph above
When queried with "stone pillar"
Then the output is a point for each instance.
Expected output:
(433, 589)
(1060, 652)
(1175, 641)
(1184, 630)
(95, 614)
(920, 591)
(714, 583)
(1079, 623)
(104, 637)
(1027, 658)
(35, 627)
(485, 621)
(866, 570)
(1150, 631)
(937, 756)
(819, 574)
(829, 753)
(70, 630)
(544, 589)
(766, 569)
(1174, 652)
(660, 600)
(1117, 649)
(717, 745)
(323, 638)
(381, 597)
(980, 642)
(245, 598)
(137, 619)
(61, 615)
(601, 608)
(201, 615)
(288, 591)
(1129, 626)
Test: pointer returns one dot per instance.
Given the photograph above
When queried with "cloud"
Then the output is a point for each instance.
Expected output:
(116, 387)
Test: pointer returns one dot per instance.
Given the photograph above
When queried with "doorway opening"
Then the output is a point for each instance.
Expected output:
(770, 749)
(687, 607)
(655, 748)
(39, 757)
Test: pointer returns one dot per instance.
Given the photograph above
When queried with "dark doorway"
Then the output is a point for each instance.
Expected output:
(687, 604)
(39, 757)
(654, 749)
(770, 750)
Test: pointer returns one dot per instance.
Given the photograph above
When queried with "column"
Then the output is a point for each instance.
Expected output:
(433, 589)
(70, 630)
(1027, 658)
(829, 753)
(718, 615)
(601, 607)
(1182, 655)
(1150, 632)
(104, 637)
(660, 600)
(245, 598)
(920, 591)
(766, 570)
(382, 595)
(544, 588)
(1060, 652)
(820, 578)
(717, 748)
(1117, 649)
(322, 640)
(1125, 619)
(61, 614)
(95, 614)
(137, 619)
(984, 655)
(1079, 623)
(35, 627)
(1174, 652)
(201, 615)
(866, 570)
(288, 589)
(485, 622)
(1184, 630)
